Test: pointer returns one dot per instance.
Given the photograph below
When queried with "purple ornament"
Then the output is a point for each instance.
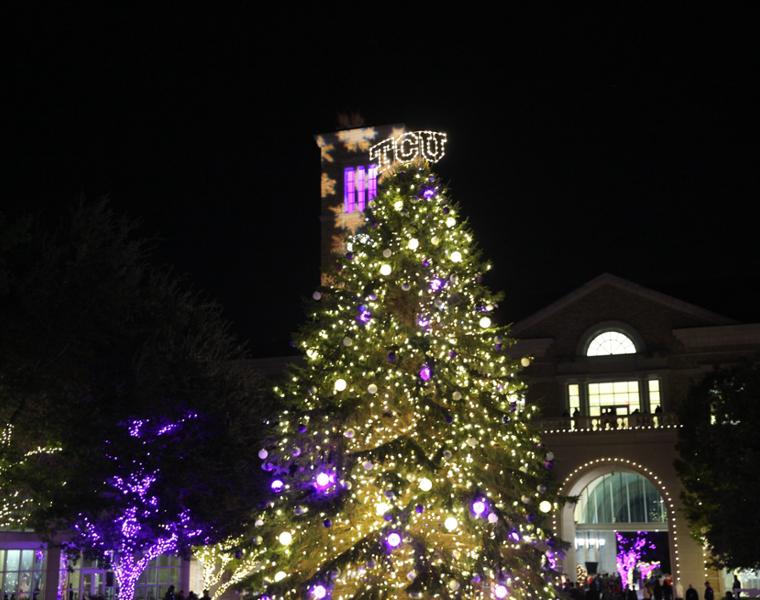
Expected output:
(393, 540)
(324, 481)
(452, 354)
(479, 507)
(423, 321)
(425, 372)
(419, 508)
(364, 315)
(428, 193)
(350, 255)
(391, 357)
(436, 284)
(301, 428)
(426, 263)
(327, 523)
(277, 485)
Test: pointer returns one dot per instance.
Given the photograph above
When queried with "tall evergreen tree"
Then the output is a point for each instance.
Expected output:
(403, 464)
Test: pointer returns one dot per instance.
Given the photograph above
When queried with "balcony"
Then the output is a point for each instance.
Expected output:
(608, 423)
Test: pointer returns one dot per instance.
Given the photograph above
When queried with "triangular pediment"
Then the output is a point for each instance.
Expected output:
(606, 281)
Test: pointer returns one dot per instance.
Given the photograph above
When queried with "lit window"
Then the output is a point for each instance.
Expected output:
(622, 497)
(359, 187)
(573, 398)
(22, 573)
(610, 342)
(654, 394)
(617, 397)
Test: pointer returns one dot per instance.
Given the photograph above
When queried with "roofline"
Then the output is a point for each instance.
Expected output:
(609, 279)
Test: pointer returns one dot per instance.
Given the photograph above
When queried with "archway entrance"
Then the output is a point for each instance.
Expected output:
(618, 527)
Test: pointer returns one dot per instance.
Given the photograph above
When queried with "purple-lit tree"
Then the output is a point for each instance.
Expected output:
(631, 551)
(142, 523)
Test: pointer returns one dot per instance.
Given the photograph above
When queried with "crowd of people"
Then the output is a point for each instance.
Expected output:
(611, 587)
(172, 595)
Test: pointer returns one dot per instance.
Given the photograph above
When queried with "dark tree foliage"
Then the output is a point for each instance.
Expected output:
(92, 335)
(719, 449)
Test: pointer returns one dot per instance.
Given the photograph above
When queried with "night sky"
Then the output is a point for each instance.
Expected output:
(579, 143)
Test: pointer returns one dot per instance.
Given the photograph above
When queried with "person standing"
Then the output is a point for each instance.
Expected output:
(736, 588)
(709, 593)
(691, 594)
(169, 595)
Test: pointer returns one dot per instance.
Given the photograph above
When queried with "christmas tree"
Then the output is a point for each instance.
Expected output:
(403, 465)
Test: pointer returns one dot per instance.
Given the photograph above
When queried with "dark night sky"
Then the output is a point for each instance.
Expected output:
(579, 143)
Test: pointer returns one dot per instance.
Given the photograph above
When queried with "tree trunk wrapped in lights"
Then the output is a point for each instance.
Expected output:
(403, 465)
(144, 519)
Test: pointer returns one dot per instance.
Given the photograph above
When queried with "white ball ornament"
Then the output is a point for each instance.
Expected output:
(398, 204)
(285, 538)
(425, 484)
(525, 361)
(485, 322)
(472, 442)
(456, 396)
(259, 522)
(550, 456)
(279, 576)
(258, 540)
(456, 256)
(340, 385)
(450, 222)
(385, 269)
(413, 244)
(453, 585)
(492, 518)
(372, 388)
(368, 466)
(545, 506)
(387, 253)
(347, 341)
(263, 454)
(450, 524)
(317, 295)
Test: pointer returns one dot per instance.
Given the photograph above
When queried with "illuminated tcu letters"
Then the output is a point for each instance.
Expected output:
(408, 146)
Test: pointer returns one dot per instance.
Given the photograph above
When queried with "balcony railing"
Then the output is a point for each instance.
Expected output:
(608, 423)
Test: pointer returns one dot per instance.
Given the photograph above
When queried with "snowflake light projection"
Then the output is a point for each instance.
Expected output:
(630, 553)
(137, 529)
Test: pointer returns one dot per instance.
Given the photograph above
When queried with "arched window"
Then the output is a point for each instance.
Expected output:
(610, 342)
(622, 497)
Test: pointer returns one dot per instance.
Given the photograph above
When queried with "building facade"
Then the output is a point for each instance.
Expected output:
(612, 363)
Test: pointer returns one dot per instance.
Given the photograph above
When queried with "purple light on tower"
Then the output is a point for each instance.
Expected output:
(426, 372)
(428, 193)
(318, 591)
(423, 321)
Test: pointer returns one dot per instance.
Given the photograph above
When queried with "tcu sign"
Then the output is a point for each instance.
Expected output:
(408, 146)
